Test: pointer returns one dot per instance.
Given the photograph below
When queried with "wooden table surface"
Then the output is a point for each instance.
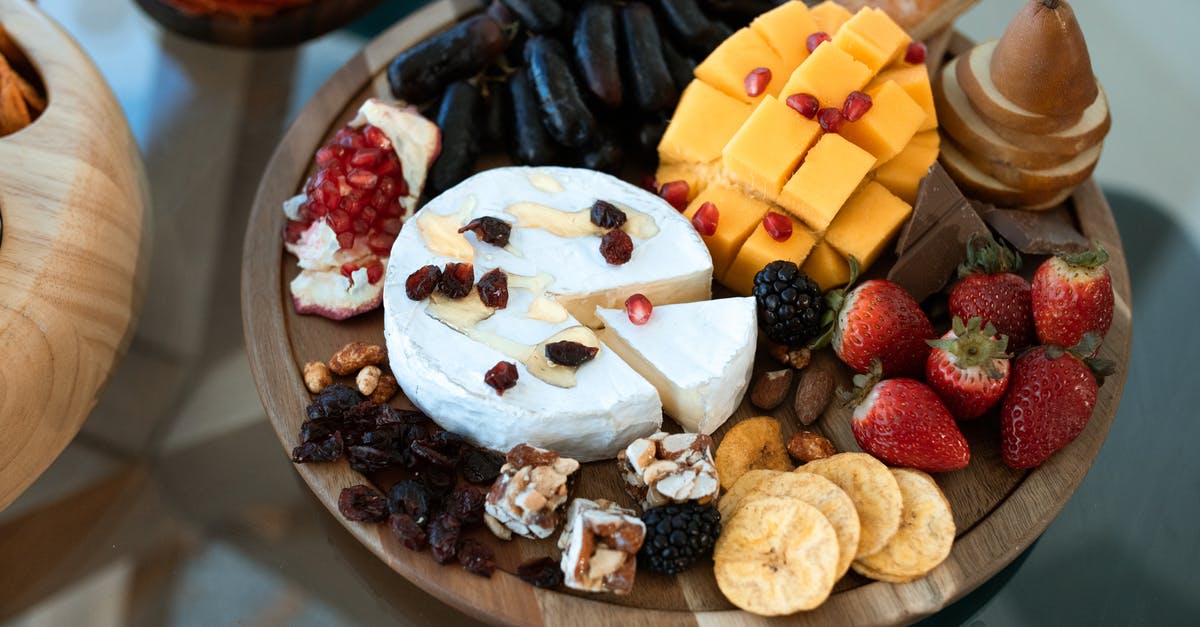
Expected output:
(204, 521)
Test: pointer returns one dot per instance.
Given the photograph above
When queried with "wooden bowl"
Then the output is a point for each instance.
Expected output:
(73, 198)
(998, 511)
(286, 28)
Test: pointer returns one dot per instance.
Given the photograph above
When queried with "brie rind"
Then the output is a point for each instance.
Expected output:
(442, 370)
(698, 355)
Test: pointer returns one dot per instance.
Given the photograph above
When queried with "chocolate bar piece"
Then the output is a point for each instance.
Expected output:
(1035, 232)
(937, 196)
(928, 264)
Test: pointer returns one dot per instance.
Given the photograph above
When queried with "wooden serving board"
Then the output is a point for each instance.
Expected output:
(73, 197)
(998, 511)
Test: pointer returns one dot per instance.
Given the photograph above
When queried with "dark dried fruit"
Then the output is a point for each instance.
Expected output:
(476, 558)
(420, 284)
(502, 376)
(325, 450)
(493, 289)
(542, 572)
(617, 247)
(568, 353)
(466, 504)
(457, 279)
(439, 480)
(606, 215)
(367, 459)
(430, 455)
(444, 532)
(523, 455)
(362, 503)
(333, 401)
(408, 532)
(480, 466)
(316, 430)
(489, 230)
(410, 497)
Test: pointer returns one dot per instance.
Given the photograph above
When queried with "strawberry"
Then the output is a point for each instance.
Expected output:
(988, 288)
(904, 423)
(879, 320)
(1072, 295)
(968, 368)
(1049, 401)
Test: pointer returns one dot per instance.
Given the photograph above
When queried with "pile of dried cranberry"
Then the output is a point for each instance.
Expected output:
(445, 493)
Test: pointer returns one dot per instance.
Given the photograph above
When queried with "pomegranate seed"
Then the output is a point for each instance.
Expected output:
(805, 104)
(328, 154)
(675, 193)
(381, 243)
(389, 167)
(391, 226)
(339, 221)
(293, 231)
(374, 271)
(778, 226)
(915, 53)
(756, 81)
(705, 219)
(638, 308)
(345, 240)
(366, 158)
(348, 269)
(856, 105)
(361, 227)
(369, 214)
(649, 183)
(352, 204)
(816, 39)
(362, 179)
(401, 187)
(377, 138)
(502, 376)
(830, 119)
(387, 186)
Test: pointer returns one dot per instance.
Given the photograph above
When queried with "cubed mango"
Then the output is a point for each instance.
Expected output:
(696, 175)
(761, 249)
(867, 223)
(831, 171)
(902, 174)
(786, 28)
(764, 153)
(873, 38)
(914, 80)
(737, 214)
(830, 74)
(826, 266)
(830, 16)
(726, 67)
(885, 129)
(703, 122)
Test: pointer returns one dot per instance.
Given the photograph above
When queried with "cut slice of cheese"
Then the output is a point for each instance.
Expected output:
(699, 356)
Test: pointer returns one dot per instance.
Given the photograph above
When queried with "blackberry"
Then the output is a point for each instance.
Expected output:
(677, 535)
(790, 306)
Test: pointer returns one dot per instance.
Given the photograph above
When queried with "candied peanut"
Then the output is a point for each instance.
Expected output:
(806, 446)
(355, 356)
(368, 380)
(385, 390)
(317, 377)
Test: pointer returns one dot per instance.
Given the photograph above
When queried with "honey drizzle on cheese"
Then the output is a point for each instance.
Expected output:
(441, 232)
(534, 215)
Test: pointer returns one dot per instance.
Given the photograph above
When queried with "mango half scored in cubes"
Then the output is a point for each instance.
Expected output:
(846, 193)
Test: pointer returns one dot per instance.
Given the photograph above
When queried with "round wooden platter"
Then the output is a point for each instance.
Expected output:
(288, 27)
(998, 511)
(73, 197)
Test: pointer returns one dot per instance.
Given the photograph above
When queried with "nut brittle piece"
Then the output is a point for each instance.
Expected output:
(527, 496)
(599, 546)
(674, 468)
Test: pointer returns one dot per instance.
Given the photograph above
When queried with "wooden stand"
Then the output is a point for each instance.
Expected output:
(72, 199)
(998, 511)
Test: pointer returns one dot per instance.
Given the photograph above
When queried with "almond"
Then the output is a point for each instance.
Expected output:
(771, 388)
(813, 392)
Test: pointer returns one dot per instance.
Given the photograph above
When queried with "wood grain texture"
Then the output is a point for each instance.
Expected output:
(72, 257)
(999, 512)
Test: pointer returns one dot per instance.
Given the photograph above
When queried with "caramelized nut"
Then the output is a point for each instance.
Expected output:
(355, 356)
(317, 377)
(368, 379)
(797, 358)
(771, 388)
(813, 392)
(806, 446)
(386, 389)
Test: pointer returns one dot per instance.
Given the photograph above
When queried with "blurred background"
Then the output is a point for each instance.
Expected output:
(177, 506)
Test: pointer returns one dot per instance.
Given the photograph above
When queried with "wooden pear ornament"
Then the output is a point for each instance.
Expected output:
(1042, 62)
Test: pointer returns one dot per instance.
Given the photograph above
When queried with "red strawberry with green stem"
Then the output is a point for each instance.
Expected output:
(968, 368)
(877, 320)
(1049, 400)
(1072, 295)
(904, 423)
(989, 288)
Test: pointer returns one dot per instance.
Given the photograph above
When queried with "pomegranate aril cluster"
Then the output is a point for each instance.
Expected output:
(357, 191)
(435, 505)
